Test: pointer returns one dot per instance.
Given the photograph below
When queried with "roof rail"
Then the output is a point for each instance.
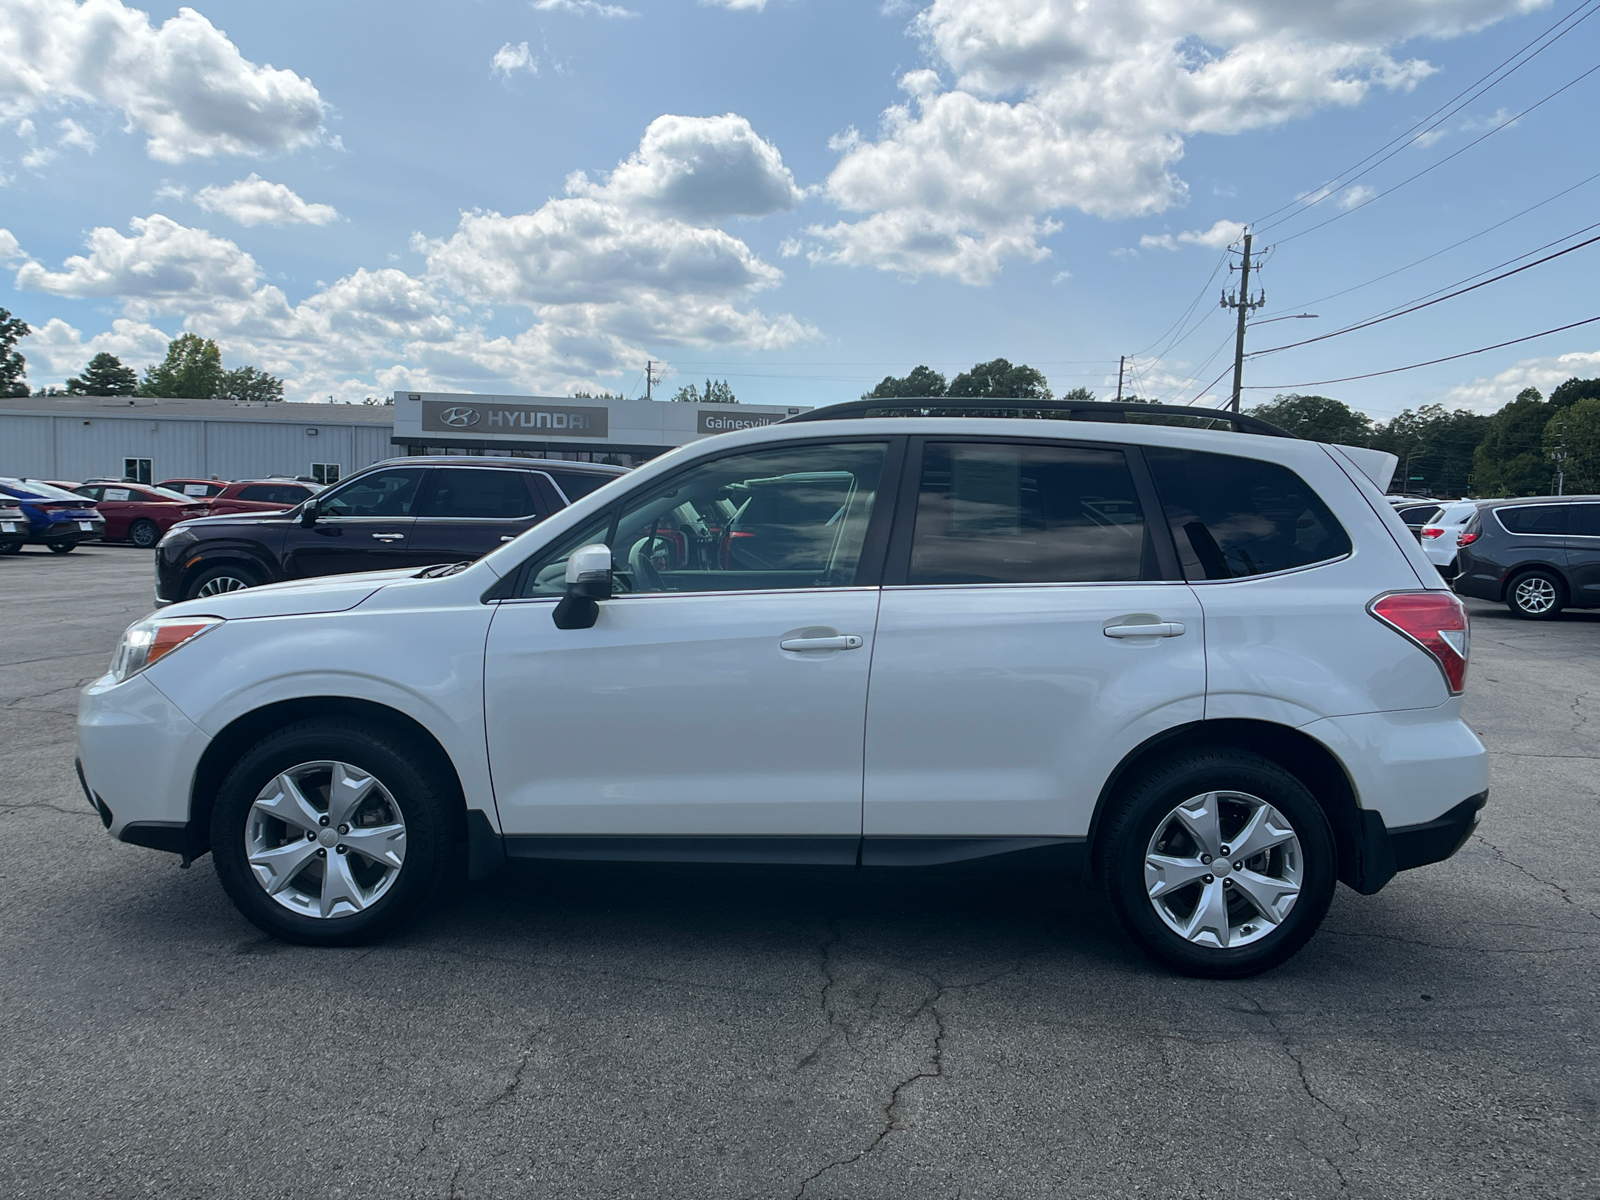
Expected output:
(1060, 410)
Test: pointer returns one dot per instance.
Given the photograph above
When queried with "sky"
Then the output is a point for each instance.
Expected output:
(803, 196)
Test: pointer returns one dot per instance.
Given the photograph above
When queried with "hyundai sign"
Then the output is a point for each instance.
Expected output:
(494, 416)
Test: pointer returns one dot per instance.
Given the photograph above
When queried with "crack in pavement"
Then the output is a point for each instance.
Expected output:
(1556, 887)
(71, 812)
(1305, 1084)
(1387, 937)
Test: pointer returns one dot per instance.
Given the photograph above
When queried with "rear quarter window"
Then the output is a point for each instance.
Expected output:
(1234, 517)
(578, 484)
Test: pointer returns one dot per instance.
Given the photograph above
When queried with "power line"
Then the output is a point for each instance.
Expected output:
(1452, 246)
(1413, 366)
(1193, 304)
(1427, 304)
(1355, 208)
(1439, 115)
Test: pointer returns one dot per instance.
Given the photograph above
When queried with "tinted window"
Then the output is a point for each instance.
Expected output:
(378, 494)
(1233, 517)
(475, 492)
(792, 517)
(272, 493)
(998, 513)
(577, 484)
(1586, 520)
(1419, 514)
(1535, 518)
(93, 493)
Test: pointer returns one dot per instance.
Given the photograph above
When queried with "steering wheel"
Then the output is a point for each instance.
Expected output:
(646, 577)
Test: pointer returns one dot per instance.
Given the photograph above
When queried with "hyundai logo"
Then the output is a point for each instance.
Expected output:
(459, 418)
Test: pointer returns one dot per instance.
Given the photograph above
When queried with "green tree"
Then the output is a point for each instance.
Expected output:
(1316, 418)
(1573, 433)
(922, 381)
(1434, 444)
(1083, 393)
(13, 367)
(1573, 390)
(1510, 461)
(1000, 380)
(104, 376)
(192, 370)
(246, 384)
(718, 391)
(582, 394)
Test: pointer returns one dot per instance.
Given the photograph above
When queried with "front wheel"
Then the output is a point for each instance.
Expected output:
(1219, 863)
(1535, 596)
(63, 547)
(144, 534)
(218, 581)
(330, 833)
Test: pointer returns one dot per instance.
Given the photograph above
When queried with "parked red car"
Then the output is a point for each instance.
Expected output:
(261, 495)
(140, 513)
(195, 489)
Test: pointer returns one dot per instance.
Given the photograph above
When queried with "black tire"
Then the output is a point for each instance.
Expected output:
(1536, 595)
(434, 829)
(63, 547)
(223, 577)
(144, 534)
(1142, 807)
(11, 548)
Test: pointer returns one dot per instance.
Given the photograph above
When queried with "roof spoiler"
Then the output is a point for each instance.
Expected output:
(1376, 465)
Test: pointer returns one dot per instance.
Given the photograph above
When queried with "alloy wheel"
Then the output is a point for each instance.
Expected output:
(1223, 869)
(325, 839)
(221, 584)
(1535, 594)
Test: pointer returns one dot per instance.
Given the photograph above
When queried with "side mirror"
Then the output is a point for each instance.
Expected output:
(588, 581)
(308, 514)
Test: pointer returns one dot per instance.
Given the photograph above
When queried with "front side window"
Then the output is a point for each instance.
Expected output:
(789, 517)
(471, 492)
(379, 494)
(1235, 517)
(1019, 513)
(1534, 518)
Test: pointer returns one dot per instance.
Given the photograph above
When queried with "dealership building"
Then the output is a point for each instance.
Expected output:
(85, 437)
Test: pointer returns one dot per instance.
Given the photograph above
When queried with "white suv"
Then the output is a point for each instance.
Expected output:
(1212, 667)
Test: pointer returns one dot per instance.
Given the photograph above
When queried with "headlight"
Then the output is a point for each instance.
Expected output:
(147, 641)
(176, 536)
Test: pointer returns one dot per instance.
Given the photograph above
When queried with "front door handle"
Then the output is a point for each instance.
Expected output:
(847, 641)
(389, 537)
(1158, 629)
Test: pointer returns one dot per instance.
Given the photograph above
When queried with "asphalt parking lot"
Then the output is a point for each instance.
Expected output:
(604, 1031)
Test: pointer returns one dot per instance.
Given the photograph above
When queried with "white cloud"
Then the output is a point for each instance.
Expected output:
(1222, 233)
(584, 8)
(1087, 104)
(511, 58)
(10, 251)
(1491, 394)
(183, 84)
(255, 201)
(56, 349)
(737, 5)
(1359, 194)
(76, 136)
(611, 273)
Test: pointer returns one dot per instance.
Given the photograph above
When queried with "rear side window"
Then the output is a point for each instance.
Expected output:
(578, 484)
(1534, 518)
(1235, 517)
(1586, 520)
(1024, 513)
(272, 493)
(477, 492)
(1420, 514)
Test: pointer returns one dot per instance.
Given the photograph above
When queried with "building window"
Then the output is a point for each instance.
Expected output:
(325, 472)
(136, 470)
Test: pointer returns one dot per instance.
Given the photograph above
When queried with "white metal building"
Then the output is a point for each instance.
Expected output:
(85, 437)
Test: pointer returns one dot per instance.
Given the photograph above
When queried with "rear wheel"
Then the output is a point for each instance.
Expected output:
(1219, 863)
(63, 547)
(332, 832)
(11, 548)
(1535, 596)
(144, 534)
(218, 581)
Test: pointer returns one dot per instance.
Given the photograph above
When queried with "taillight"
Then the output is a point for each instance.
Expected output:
(1435, 621)
(1466, 539)
(1432, 531)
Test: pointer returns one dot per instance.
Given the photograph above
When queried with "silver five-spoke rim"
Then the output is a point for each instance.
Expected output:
(221, 584)
(1536, 595)
(1223, 869)
(325, 839)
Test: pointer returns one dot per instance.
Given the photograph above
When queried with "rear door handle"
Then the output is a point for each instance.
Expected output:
(389, 537)
(1160, 629)
(847, 641)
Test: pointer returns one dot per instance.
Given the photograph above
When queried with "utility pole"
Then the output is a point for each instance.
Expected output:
(1241, 300)
(1122, 362)
(649, 378)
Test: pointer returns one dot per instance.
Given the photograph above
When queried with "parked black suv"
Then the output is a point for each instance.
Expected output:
(410, 512)
(1538, 555)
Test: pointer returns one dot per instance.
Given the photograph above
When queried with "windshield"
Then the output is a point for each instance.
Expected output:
(29, 489)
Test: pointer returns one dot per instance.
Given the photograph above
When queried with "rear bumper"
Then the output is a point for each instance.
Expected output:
(1382, 852)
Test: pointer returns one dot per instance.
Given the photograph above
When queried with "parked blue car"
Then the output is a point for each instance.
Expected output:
(56, 518)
